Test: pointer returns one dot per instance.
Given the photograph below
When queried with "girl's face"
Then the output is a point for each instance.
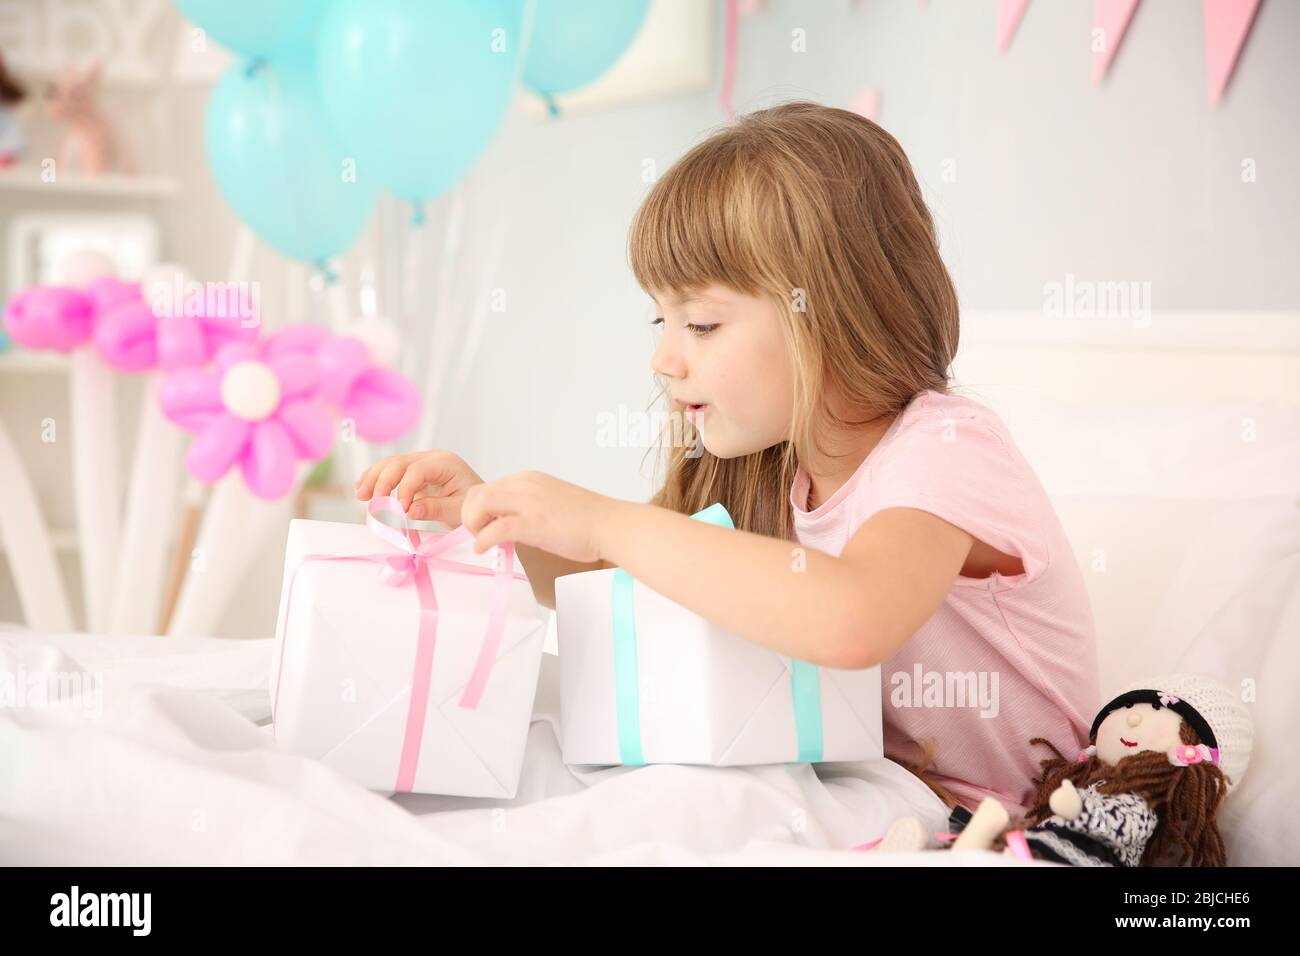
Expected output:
(1129, 730)
(723, 353)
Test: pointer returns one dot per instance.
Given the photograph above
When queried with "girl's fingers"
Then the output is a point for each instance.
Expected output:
(366, 483)
(483, 503)
(389, 475)
(428, 508)
(419, 474)
(498, 532)
(431, 506)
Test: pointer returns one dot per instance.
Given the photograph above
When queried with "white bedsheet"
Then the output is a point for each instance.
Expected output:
(170, 765)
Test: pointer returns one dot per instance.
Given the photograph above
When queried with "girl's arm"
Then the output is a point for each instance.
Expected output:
(852, 611)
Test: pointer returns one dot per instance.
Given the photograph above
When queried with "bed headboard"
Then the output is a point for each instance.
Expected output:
(1136, 433)
(1172, 358)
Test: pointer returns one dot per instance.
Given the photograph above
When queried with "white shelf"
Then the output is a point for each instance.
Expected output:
(73, 184)
(18, 359)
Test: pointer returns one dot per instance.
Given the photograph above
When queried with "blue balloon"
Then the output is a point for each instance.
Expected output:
(279, 164)
(572, 42)
(417, 88)
(256, 27)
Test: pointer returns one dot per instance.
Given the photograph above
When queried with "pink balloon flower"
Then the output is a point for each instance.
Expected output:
(254, 409)
(384, 404)
(128, 335)
(132, 338)
(108, 292)
(50, 317)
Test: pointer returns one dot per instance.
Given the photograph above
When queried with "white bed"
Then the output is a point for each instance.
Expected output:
(177, 770)
(1189, 535)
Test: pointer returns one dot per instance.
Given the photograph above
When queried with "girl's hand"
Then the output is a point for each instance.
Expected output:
(431, 485)
(538, 510)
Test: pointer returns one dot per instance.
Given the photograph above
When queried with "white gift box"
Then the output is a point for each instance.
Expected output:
(701, 695)
(349, 653)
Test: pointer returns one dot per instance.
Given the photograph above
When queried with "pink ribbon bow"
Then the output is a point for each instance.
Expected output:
(412, 563)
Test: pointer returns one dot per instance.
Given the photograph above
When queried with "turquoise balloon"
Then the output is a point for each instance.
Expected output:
(573, 42)
(418, 88)
(279, 164)
(256, 27)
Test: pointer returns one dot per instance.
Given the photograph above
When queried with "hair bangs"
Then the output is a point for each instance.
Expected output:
(686, 234)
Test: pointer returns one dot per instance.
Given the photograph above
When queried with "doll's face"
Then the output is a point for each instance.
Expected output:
(1138, 727)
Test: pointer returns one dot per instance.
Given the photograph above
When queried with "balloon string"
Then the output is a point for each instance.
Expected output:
(327, 274)
(417, 214)
(552, 107)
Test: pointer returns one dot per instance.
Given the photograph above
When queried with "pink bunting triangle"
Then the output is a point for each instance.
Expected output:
(730, 46)
(1226, 24)
(1112, 18)
(867, 103)
(1009, 14)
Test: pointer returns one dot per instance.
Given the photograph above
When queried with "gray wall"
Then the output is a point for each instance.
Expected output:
(1139, 180)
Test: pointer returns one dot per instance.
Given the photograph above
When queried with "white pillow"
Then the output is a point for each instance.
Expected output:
(1185, 520)
(1129, 550)
(1232, 611)
(1210, 587)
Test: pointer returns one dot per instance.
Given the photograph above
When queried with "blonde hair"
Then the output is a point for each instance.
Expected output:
(805, 205)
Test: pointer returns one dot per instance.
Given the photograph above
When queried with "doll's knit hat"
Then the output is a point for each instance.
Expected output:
(1215, 712)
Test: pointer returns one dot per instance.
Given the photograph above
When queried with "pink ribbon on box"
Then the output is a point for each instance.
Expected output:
(412, 564)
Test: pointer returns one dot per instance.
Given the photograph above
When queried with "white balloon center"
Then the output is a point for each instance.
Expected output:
(250, 391)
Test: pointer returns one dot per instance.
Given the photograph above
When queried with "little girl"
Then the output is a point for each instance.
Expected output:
(807, 328)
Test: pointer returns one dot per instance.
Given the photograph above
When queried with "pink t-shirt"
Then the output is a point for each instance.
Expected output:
(1003, 659)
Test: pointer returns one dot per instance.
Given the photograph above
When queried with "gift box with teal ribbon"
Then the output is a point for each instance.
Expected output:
(644, 680)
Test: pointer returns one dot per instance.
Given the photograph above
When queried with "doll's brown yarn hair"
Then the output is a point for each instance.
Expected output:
(1186, 799)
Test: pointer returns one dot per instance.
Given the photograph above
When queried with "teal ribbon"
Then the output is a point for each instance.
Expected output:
(805, 681)
(627, 691)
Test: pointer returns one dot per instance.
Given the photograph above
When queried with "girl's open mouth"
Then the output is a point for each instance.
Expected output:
(695, 411)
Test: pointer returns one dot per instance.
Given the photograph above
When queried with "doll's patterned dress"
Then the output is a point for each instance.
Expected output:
(1110, 830)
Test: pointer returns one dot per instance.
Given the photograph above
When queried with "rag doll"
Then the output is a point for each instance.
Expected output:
(88, 144)
(1161, 758)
